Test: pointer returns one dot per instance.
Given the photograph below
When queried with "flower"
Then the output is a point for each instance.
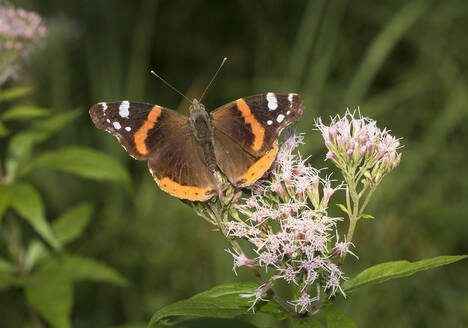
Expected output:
(18, 30)
(304, 301)
(359, 148)
(257, 295)
(284, 218)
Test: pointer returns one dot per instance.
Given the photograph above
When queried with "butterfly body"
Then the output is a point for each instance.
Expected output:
(202, 129)
(239, 139)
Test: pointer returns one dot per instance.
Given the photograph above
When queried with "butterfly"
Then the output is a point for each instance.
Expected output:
(183, 152)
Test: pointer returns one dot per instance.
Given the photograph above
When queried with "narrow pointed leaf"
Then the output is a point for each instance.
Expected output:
(26, 201)
(85, 269)
(397, 269)
(343, 208)
(71, 224)
(20, 146)
(14, 93)
(84, 162)
(36, 252)
(24, 112)
(222, 301)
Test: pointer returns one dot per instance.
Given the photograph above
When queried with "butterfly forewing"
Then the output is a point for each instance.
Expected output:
(163, 137)
(140, 128)
(255, 122)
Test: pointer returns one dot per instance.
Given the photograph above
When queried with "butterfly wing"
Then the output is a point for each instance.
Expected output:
(255, 122)
(240, 167)
(163, 137)
(246, 133)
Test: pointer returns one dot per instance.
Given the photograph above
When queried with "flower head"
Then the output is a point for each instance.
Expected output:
(18, 30)
(358, 147)
(286, 223)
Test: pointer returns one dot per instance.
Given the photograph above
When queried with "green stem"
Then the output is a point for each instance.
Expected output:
(369, 195)
(17, 251)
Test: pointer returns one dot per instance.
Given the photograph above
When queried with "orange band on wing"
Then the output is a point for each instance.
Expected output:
(257, 170)
(257, 129)
(184, 192)
(140, 136)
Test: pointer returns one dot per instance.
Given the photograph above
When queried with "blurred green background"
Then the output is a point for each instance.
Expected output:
(403, 62)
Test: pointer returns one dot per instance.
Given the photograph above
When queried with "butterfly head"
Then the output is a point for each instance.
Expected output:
(196, 107)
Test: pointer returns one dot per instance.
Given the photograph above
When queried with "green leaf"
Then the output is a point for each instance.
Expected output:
(84, 162)
(343, 208)
(36, 252)
(27, 202)
(20, 146)
(337, 319)
(71, 224)
(24, 112)
(3, 130)
(367, 216)
(306, 323)
(50, 291)
(14, 93)
(223, 301)
(5, 197)
(397, 269)
(85, 269)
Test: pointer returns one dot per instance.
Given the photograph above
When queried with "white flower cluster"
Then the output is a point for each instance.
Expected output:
(286, 221)
(18, 26)
(356, 142)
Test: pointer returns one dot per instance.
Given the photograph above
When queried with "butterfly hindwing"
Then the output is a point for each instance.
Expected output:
(180, 170)
(255, 122)
(163, 137)
(241, 168)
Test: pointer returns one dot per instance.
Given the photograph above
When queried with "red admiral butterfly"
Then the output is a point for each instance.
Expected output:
(240, 138)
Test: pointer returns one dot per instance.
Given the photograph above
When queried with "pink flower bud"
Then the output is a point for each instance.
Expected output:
(362, 151)
(332, 133)
(362, 139)
(330, 155)
(340, 140)
(356, 126)
(349, 152)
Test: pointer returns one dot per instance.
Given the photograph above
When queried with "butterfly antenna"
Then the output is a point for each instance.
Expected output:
(212, 79)
(170, 85)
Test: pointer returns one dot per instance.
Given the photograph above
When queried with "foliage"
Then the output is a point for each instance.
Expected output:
(402, 62)
(39, 263)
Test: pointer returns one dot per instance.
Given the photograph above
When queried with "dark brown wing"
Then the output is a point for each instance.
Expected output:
(240, 167)
(140, 128)
(179, 169)
(255, 122)
(163, 136)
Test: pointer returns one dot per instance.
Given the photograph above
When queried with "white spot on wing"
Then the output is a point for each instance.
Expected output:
(272, 101)
(116, 125)
(269, 122)
(128, 129)
(108, 121)
(290, 97)
(280, 118)
(123, 108)
(288, 112)
(104, 107)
